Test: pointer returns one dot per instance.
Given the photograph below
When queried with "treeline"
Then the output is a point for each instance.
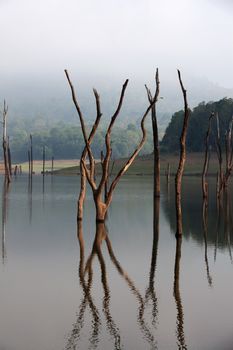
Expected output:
(66, 142)
(198, 126)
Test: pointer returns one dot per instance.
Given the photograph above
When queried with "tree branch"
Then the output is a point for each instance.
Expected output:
(132, 157)
(107, 140)
(75, 101)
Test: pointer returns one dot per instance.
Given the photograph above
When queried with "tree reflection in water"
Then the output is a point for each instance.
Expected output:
(205, 231)
(228, 223)
(87, 270)
(87, 300)
(150, 291)
(5, 191)
(176, 292)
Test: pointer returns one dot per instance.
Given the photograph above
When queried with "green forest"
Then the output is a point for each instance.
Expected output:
(198, 125)
(65, 140)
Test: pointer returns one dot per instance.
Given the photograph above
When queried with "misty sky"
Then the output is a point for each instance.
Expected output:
(116, 38)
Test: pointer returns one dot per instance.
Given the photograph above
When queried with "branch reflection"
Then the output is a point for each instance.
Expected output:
(176, 292)
(205, 231)
(87, 300)
(101, 235)
(150, 293)
(228, 222)
(86, 278)
(5, 191)
(30, 198)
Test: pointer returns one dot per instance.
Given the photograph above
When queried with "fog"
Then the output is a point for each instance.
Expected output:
(104, 42)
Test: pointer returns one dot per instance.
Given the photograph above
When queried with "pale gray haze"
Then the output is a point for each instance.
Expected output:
(103, 42)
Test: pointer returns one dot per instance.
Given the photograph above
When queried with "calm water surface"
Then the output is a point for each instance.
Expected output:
(127, 285)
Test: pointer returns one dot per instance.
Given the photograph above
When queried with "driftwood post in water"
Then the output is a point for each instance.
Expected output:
(5, 144)
(9, 155)
(180, 170)
(155, 135)
(88, 173)
(16, 170)
(168, 173)
(207, 158)
(29, 163)
(43, 171)
(52, 165)
(31, 156)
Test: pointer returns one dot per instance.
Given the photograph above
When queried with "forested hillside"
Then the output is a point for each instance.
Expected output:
(198, 125)
(65, 141)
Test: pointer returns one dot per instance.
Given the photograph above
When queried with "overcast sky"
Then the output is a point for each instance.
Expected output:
(116, 38)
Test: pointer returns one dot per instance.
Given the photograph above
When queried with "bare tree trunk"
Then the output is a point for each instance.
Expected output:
(229, 155)
(31, 155)
(155, 136)
(168, 173)
(43, 161)
(16, 170)
(101, 204)
(5, 144)
(219, 154)
(82, 192)
(87, 150)
(52, 166)
(206, 162)
(180, 170)
(9, 155)
(29, 163)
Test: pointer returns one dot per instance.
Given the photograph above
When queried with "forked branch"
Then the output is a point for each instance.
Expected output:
(180, 170)
(100, 203)
(155, 135)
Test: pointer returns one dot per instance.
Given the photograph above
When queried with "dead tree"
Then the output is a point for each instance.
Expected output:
(31, 155)
(229, 154)
(168, 173)
(9, 155)
(43, 167)
(155, 135)
(52, 165)
(5, 144)
(29, 163)
(180, 170)
(207, 158)
(16, 170)
(219, 154)
(88, 172)
(224, 177)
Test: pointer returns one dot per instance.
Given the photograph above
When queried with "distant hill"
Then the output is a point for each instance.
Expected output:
(198, 125)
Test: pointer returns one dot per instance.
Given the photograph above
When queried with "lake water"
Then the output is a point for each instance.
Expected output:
(129, 285)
